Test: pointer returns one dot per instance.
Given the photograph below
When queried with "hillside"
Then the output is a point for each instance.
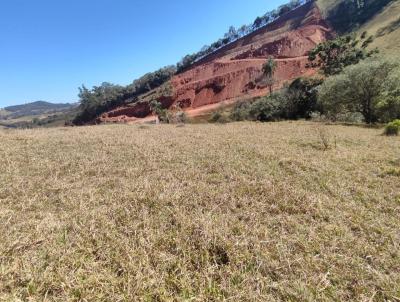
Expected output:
(35, 108)
(380, 18)
(36, 114)
(385, 26)
(234, 71)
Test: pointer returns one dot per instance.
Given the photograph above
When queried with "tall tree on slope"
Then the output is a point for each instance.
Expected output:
(269, 69)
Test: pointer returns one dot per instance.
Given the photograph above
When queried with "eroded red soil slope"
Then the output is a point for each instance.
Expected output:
(234, 71)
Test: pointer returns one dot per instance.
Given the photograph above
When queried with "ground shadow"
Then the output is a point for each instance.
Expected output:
(389, 29)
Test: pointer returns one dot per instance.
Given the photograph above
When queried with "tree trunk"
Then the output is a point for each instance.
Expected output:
(367, 111)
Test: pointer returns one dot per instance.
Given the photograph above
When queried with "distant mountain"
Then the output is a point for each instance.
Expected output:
(37, 107)
(37, 114)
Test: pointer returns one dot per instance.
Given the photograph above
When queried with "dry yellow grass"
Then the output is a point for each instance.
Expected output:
(385, 27)
(237, 212)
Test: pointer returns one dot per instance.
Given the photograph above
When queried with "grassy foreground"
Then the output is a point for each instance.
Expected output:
(237, 212)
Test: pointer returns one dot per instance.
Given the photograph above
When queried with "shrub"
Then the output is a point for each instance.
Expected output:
(333, 55)
(180, 117)
(240, 111)
(162, 114)
(389, 100)
(267, 109)
(325, 138)
(175, 117)
(363, 88)
(218, 117)
(393, 128)
(316, 116)
(300, 98)
(350, 117)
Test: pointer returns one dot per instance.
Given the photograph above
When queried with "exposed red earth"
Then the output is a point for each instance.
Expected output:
(234, 72)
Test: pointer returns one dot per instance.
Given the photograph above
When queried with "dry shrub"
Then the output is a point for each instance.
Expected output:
(325, 137)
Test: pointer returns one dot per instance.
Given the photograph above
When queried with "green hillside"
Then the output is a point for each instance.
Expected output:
(37, 114)
(385, 26)
(36, 108)
(380, 18)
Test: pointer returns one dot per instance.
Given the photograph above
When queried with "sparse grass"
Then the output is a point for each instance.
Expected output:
(385, 27)
(236, 212)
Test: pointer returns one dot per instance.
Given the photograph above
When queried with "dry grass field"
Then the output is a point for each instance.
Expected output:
(238, 212)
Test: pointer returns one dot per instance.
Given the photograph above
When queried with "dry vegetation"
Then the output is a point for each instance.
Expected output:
(385, 27)
(237, 212)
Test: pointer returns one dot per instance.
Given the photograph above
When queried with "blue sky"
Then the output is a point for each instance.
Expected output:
(48, 48)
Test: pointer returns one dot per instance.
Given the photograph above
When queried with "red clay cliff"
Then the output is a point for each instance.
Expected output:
(234, 71)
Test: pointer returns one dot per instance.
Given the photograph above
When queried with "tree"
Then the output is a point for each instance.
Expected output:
(186, 62)
(243, 30)
(389, 101)
(267, 109)
(98, 100)
(257, 23)
(269, 69)
(370, 88)
(301, 98)
(107, 96)
(157, 109)
(334, 55)
(232, 34)
(283, 9)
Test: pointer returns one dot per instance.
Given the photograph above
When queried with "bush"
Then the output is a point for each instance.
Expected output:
(316, 116)
(267, 109)
(350, 117)
(175, 117)
(389, 100)
(218, 117)
(240, 111)
(393, 128)
(301, 98)
(369, 88)
(298, 100)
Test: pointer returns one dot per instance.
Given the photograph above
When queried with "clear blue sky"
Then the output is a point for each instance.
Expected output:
(48, 48)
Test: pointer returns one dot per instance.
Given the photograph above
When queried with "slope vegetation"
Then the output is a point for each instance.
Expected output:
(385, 26)
(380, 18)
